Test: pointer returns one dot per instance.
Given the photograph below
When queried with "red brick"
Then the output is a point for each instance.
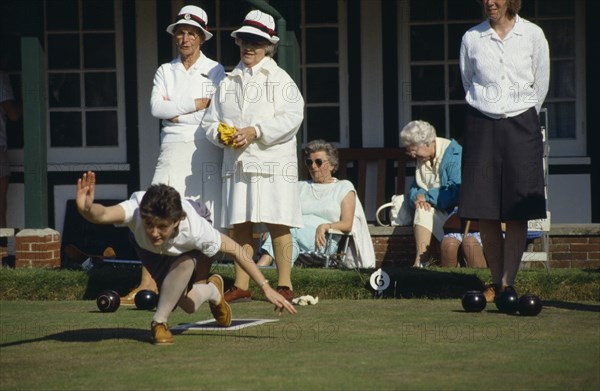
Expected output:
(42, 247)
(34, 255)
(585, 247)
(37, 248)
(569, 239)
(594, 239)
(585, 264)
(560, 264)
(563, 247)
(23, 263)
(569, 256)
(593, 256)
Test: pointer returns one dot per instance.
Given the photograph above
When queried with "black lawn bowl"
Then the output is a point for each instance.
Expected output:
(530, 305)
(146, 299)
(473, 301)
(507, 302)
(108, 301)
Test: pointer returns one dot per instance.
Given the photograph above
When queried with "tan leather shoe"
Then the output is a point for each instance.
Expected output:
(235, 295)
(490, 292)
(221, 311)
(129, 299)
(161, 335)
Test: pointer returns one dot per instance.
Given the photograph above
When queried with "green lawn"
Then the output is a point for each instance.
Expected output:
(336, 345)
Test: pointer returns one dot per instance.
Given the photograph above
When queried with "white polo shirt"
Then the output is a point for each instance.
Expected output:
(195, 233)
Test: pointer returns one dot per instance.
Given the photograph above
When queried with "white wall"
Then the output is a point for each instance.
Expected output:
(570, 199)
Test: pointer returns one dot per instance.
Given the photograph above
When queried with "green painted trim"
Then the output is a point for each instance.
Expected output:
(34, 128)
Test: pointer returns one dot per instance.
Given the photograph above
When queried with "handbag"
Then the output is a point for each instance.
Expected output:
(400, 213)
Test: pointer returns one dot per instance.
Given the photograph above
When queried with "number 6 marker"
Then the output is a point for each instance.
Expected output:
(380, 280)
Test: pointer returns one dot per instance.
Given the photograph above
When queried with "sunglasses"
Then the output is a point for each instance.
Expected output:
(318, 162)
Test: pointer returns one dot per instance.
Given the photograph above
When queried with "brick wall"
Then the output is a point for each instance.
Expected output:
(575, 251)
(571, 246)
(37, 248)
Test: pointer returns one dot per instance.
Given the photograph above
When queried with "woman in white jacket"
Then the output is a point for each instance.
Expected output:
(265, 109)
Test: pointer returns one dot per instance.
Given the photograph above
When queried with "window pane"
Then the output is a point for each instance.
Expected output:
(101, 128)
(562, 80)
(455, 33)
(561, 120)
(321, 11)
(561, 37)
(427, 42)
(10, 53)
(432, 114)
(322, 85)
(98, 15)
(210, 49)
(322, 45)
(457, 121)
(64, 90)
(100, 89)
(527, 10)
(556, 8)
(323, 122)
(426, 10)
(14, 129)
(63, 51)
(99, 51)
(230, 52)
(465, 10)
(455, 87)
(62, 15)
(65, 129)
(233, 13)
(427, 82)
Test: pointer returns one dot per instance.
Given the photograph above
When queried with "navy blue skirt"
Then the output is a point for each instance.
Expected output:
(502, 168)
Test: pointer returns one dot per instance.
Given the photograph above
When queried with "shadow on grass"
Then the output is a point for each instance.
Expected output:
(572, 306)
(428, 283)
(89, 335)
(113, 333)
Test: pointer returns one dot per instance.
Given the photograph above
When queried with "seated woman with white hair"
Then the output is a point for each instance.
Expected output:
(434, 191)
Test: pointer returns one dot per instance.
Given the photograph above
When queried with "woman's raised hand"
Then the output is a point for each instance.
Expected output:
(86, 187)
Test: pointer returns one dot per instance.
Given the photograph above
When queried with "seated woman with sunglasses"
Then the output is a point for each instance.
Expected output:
(326, 203)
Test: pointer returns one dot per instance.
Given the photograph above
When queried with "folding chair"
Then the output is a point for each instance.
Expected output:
(337, 256)
(540, 228)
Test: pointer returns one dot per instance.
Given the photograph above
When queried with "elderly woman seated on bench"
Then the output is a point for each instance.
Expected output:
(434, 192)
(328, 204)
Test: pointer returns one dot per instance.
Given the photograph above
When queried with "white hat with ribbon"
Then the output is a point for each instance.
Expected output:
(259, 24)
(193, 16)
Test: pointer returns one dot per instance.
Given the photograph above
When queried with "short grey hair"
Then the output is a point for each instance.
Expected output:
(320, 145)
(270, 50)
(417, 133)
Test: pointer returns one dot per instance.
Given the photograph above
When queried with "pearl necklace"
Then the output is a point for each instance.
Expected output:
(324, 189)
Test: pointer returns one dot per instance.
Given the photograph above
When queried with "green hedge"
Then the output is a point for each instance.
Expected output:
(61, 284)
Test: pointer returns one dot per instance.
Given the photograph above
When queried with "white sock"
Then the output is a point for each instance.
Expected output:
(201, 293)
(215, 295)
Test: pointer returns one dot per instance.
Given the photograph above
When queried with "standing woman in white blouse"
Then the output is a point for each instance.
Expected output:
(505, 69)
(182, 91)
(262, 108)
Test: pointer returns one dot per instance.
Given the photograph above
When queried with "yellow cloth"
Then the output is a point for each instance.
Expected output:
(226, 134)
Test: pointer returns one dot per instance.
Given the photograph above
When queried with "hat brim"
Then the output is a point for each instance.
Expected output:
(171, 28)
(254, 31)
